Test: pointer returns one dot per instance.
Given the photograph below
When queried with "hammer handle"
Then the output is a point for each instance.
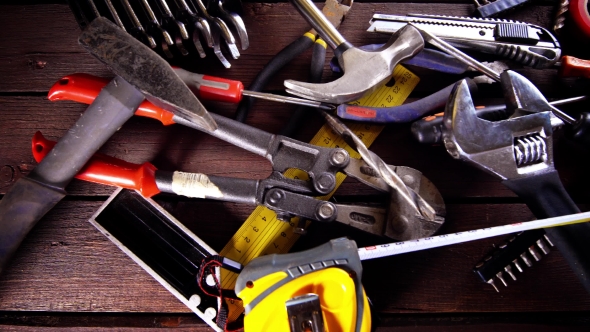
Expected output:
(320, 23)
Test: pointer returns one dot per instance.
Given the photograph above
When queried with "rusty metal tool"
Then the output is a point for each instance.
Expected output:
(170, 93)
(141, 73)
(403, 219)
(413, 201)
(363, 70)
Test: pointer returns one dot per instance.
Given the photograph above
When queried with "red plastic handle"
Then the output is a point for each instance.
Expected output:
(220, 89)
(574, 67)
(211, 87)
(107, 170)
(84, 88)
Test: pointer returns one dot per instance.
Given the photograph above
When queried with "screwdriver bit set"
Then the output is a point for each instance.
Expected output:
(513, 255)
(174, 29)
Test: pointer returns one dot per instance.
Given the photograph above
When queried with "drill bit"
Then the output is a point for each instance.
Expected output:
(384, 171)
(560, 16)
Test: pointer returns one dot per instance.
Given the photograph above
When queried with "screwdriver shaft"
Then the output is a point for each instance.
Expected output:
(289, 100)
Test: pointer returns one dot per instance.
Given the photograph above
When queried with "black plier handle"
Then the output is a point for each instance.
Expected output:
(279, 61)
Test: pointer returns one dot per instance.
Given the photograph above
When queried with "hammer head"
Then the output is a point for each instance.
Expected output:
(363, 70)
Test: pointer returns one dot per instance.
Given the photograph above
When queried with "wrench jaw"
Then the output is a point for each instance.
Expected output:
(518, 147)
(363, 70)
(522, 97)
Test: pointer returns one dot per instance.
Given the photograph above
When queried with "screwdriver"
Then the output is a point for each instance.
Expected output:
(83, 88)
(222, 89)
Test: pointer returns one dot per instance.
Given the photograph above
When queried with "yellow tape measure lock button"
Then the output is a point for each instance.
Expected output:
(262, 233)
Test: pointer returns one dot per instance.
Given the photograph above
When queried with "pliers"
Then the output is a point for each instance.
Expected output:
(416, 208)
(337, 10)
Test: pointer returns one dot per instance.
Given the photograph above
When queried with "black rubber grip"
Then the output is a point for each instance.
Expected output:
(546, 197)
(318, 58)
(280, 60)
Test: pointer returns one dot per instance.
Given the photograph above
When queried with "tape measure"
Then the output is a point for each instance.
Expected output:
(397, 248)
(262, 234)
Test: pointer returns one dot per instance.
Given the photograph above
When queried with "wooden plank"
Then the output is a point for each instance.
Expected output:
(33, 58)
(387, 322)
(65, 265)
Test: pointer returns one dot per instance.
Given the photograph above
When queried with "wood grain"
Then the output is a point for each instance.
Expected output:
(68, 276)
(65, 265)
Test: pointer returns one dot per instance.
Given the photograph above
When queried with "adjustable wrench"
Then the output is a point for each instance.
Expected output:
(519, 151)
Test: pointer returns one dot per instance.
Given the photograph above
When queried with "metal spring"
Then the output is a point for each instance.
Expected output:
(529, 149)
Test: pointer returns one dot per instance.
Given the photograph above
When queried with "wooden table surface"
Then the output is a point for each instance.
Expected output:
(68, 276)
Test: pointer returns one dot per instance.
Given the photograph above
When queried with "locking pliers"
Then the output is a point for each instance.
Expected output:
(416, 207)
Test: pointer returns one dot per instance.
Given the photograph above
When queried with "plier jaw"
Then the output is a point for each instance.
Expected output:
(514, 148)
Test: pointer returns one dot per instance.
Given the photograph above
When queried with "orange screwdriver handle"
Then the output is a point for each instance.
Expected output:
(107, 170)
(574, 67)
(84, 88)
(211, 87)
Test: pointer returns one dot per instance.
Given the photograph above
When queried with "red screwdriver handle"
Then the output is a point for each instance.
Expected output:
(211, 87)
(107, 170)
(84, 88)
(574, 67)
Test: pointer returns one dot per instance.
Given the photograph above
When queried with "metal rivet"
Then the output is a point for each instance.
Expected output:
(408, 179)
(275, 196)
(325, 183)
(326, 210)
(339, 157)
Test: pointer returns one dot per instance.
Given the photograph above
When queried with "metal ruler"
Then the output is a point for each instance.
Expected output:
(262, 234)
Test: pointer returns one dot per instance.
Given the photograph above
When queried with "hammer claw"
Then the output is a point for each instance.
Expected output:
(363, 70)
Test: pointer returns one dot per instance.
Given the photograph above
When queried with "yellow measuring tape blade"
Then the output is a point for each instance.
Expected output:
(262, 234)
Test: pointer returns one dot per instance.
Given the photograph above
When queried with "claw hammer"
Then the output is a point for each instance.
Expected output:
(363, 70)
